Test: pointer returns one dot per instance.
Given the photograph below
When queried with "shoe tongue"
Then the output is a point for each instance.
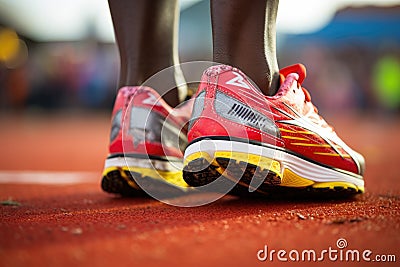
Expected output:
(300, 69)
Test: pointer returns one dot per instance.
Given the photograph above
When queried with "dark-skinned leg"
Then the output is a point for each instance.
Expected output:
(146, 34)
(244, 36)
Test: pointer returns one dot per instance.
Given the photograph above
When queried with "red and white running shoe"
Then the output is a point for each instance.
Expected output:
(146, 143)
(266, 144)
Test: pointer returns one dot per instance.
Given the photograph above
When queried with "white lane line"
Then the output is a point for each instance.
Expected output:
(48, 177)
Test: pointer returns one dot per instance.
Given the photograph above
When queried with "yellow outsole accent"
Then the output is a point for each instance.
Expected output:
(198, 155)
(257, 160)
(332, 185)
(290, 179)
(172, 177)
(263, 162)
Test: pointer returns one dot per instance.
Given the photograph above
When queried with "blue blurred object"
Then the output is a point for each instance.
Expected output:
(368, 25)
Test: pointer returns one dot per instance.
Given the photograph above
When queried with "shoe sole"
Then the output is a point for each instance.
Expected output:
(284, 173)
(121, 174)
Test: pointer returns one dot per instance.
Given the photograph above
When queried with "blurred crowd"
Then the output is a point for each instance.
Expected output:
(62, 75)
(356, 75)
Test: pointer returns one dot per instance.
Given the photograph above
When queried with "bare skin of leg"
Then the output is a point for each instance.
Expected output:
(244, 36)
(146, 35)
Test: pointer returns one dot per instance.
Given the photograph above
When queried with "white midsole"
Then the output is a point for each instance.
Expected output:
(298, 165)
(159, 165)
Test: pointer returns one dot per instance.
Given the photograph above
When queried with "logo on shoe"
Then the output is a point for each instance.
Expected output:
(151, 100)
(238, 81)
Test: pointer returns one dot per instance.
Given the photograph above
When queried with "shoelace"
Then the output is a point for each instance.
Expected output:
(317, 118)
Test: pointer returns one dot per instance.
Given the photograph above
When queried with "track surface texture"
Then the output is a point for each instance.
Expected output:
(53, 212)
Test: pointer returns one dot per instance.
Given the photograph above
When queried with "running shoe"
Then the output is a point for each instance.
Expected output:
(146, 143)
(266, 144)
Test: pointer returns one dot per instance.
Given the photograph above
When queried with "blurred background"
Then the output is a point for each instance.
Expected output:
(61, 55)
(59, 67)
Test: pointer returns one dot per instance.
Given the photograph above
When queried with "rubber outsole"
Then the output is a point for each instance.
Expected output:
(235, 171)
(115, 182)
(122, 181)
(271, 188)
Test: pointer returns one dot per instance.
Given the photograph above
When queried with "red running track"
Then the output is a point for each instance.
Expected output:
(60, 217)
